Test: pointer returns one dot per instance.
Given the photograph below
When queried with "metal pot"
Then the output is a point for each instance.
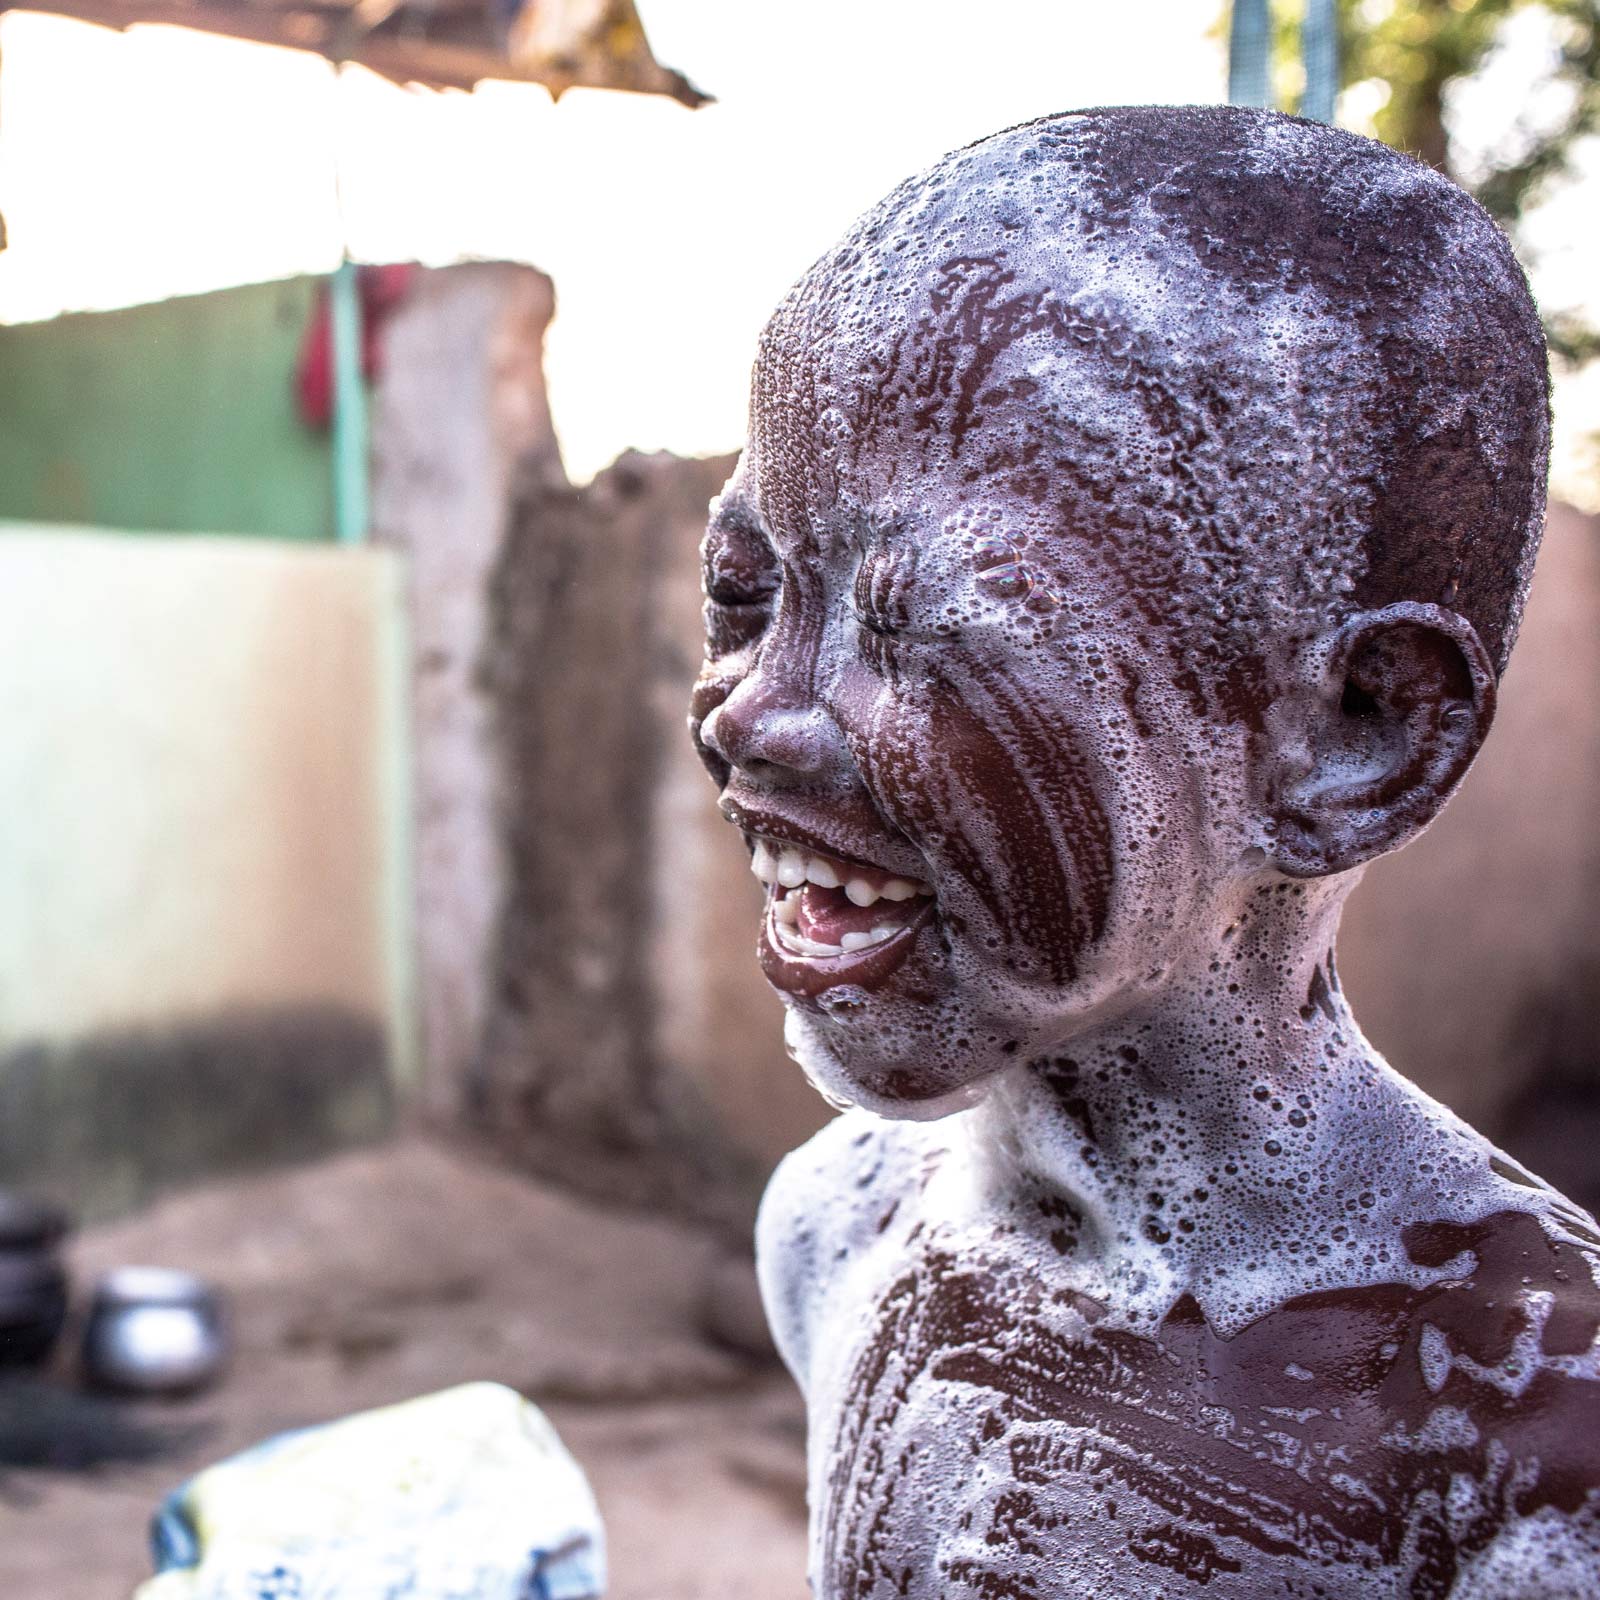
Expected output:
(33, 1307)
(153, 1330)
(33, 1281)
(29, 1224)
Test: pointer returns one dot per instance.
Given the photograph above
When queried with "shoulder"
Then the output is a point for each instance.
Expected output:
(1547, 1556)
(825, 1207)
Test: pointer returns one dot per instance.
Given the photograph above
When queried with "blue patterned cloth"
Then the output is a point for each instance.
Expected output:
(463, 1495)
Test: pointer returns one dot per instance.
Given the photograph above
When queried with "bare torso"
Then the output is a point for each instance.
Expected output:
(982, 1426)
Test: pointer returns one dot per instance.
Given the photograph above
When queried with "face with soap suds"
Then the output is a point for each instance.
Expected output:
(967, 757)
(1066, 467)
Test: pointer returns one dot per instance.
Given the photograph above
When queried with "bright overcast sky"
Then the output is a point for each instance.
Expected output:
(160, 162)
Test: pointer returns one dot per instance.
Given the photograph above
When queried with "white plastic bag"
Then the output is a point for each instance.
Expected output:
(463, 1495)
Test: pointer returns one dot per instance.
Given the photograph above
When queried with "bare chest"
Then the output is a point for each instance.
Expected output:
(992, 1434)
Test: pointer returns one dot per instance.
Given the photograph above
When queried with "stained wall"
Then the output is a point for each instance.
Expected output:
(202, 949)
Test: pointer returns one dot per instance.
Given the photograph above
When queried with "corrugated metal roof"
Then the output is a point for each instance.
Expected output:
(563, 44)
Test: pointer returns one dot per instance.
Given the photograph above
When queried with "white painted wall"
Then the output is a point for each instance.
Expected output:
(200, 748)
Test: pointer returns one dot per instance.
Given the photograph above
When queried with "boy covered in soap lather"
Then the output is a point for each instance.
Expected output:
(1136, 517)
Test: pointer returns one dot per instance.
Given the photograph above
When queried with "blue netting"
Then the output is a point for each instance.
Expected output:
(1319, 47)
(1250, 54)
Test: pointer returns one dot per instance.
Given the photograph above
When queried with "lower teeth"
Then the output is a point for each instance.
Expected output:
(792, 939)
(800, 945)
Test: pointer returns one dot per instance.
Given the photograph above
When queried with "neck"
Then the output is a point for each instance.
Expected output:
(1231, 1134)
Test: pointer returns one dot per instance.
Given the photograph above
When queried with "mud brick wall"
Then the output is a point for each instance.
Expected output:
(632, 1048)
(1472, 957)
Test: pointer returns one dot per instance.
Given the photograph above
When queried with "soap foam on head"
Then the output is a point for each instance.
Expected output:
(1125, 453)
(1207, 381)
(1118, 414)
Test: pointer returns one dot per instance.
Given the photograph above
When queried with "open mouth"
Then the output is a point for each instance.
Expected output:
(832, 921)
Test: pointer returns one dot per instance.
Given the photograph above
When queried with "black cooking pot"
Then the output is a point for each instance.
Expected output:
(33, 1280)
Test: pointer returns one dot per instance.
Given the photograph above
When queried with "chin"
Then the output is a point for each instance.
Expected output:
(855, 1056)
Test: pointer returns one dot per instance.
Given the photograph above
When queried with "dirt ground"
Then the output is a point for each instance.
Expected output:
(397, 1271)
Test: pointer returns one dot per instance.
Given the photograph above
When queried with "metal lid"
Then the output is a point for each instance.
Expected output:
(27, 1224)
(151, 1286)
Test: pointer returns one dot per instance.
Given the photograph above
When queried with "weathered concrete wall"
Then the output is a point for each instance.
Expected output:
(105, 1119)
(716, 1026)
(459, 414)
(632, 1049)
(200, 959)
(586, 922)
(175, 417)
(1472, 957)
(590, 995)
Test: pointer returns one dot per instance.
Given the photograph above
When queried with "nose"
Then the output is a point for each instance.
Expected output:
(769, 731)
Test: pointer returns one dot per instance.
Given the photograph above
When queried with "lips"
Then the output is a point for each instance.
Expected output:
(831, 920)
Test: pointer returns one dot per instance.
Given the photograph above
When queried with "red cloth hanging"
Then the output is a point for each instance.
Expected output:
(380, 290)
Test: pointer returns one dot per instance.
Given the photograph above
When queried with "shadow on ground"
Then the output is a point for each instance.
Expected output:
(396, 1271)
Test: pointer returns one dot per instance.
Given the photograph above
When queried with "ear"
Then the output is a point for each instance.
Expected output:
(1386, 721)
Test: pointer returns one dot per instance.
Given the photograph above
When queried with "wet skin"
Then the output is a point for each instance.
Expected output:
(936, 685)
(1185, 1290)
(1387, 1441)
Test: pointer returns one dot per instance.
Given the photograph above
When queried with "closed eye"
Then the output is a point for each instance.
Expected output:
(740, 576)
(879, 607)
(886, 599)
(739, 587)
(737, 561)
(732, 627)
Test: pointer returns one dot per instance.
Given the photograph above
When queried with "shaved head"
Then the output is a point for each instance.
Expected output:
(1293, 372)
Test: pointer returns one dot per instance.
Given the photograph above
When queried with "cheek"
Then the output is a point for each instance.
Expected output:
(987, 776)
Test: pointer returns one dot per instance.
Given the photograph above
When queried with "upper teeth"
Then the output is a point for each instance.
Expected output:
(790, 868)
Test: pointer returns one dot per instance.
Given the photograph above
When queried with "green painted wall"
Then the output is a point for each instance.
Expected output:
(177, 417)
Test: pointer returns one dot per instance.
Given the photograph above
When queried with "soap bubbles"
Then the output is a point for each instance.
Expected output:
(1004, 572)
